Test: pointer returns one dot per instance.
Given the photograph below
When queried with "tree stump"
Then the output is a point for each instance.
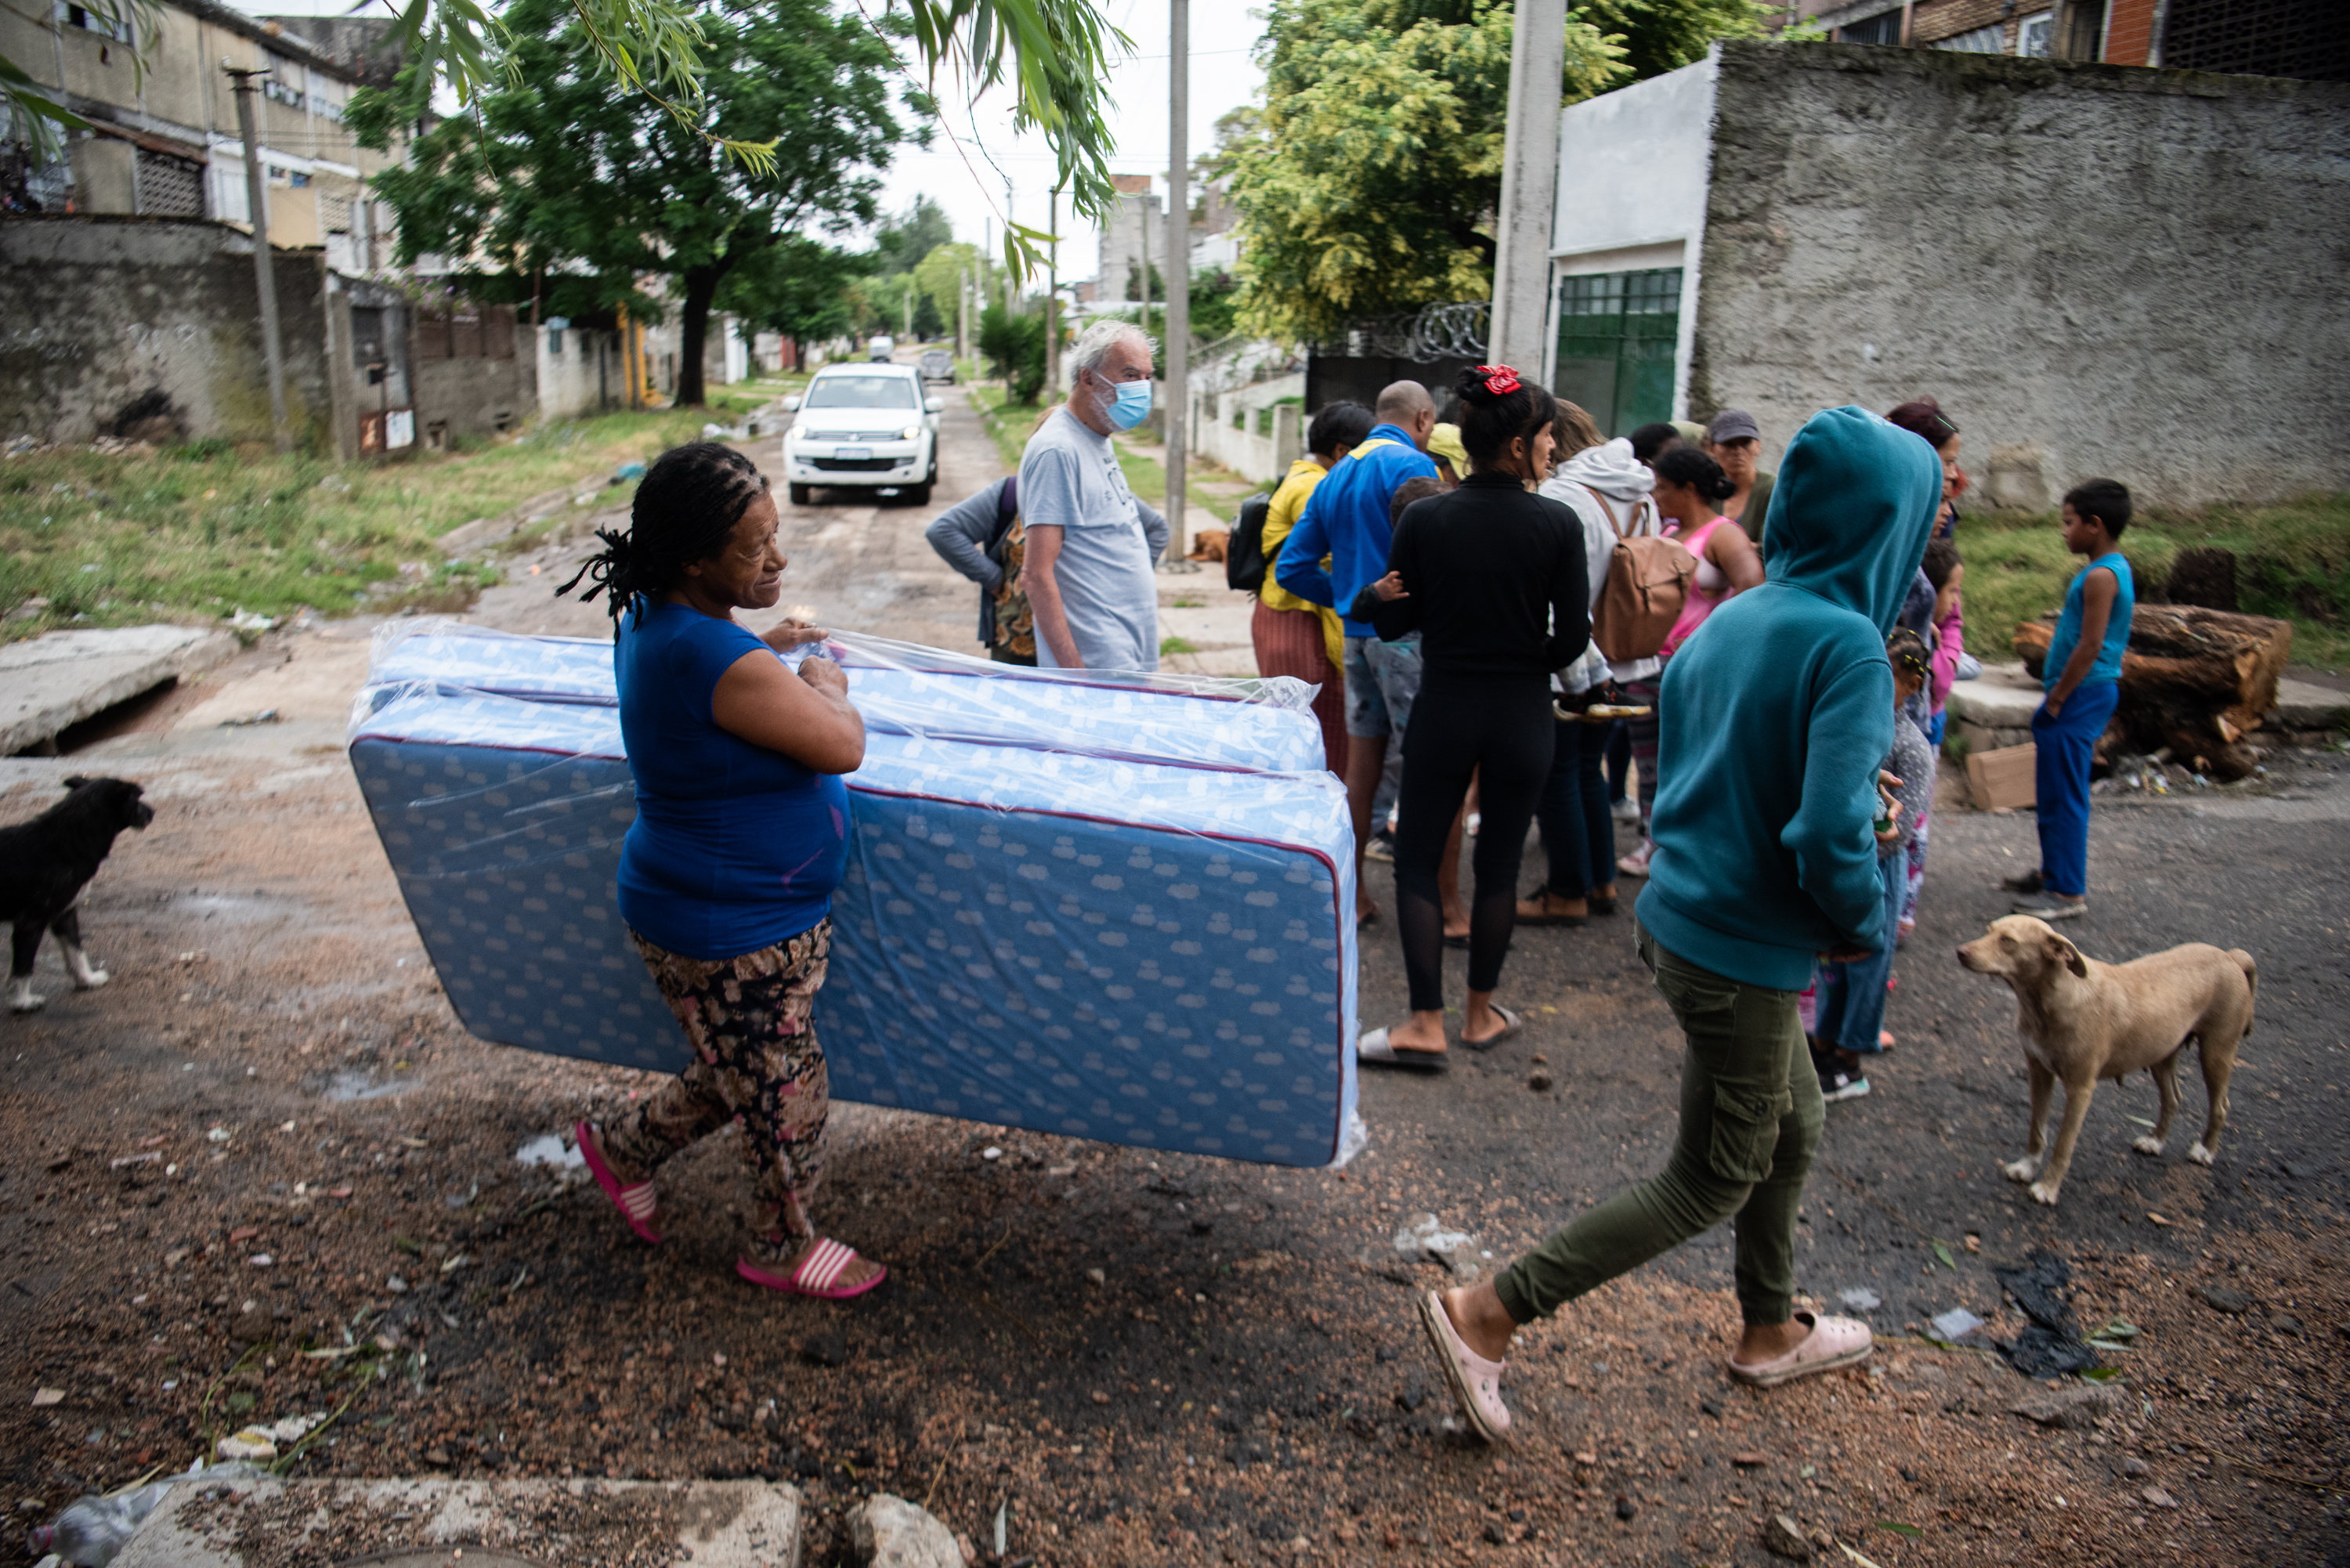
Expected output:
(2196, 680)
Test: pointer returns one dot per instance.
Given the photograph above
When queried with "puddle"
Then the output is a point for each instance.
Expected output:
(349, 1084)
(550, 1149)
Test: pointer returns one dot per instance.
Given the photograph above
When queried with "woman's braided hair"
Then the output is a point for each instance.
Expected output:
(686, 508)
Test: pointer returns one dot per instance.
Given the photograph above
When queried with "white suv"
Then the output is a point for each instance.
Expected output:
(866, 427)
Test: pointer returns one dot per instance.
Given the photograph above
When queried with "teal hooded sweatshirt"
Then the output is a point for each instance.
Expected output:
(1778, 711)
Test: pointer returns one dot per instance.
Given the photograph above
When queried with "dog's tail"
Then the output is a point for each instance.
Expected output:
(2251, 981)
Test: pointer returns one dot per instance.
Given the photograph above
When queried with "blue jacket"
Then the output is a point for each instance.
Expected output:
(1346, 519)
(1777, 712)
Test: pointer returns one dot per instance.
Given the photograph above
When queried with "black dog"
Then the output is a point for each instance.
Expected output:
(46, 862)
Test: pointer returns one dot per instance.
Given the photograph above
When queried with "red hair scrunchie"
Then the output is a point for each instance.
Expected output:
(1499, 380)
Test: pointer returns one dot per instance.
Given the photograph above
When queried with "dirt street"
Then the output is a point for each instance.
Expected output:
(263, 1173)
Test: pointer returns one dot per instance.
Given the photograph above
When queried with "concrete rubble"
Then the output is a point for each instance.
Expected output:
(50, 682)
(716, 1525)
(888, 1531)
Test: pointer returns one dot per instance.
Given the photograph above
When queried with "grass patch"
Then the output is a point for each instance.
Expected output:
(1167, 645)
(1009, 424)
(2293, 562)
(200, 531)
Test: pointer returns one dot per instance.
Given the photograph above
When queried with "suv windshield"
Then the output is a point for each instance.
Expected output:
(862, 393)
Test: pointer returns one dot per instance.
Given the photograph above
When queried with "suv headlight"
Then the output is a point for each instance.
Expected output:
(913, 432)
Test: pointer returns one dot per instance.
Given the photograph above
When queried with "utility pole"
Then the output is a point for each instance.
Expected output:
(1529, 189)
(256, 195)
(1179, 272)
(1052, 300)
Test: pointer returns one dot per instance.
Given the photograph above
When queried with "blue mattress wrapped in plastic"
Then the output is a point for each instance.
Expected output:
(1118, 908)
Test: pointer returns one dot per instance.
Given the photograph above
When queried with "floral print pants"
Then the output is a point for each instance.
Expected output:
(756, 1059)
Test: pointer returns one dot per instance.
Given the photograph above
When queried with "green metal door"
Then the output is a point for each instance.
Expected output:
(1617, 333)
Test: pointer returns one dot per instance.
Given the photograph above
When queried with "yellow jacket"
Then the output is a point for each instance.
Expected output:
(1288, 502)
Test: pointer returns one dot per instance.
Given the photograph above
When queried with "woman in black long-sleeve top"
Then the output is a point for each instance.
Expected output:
(1493, 577)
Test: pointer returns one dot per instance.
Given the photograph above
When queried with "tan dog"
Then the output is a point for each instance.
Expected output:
(2083, 1020)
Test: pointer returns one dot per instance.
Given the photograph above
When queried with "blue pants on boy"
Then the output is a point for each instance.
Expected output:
(1852, 995)
(2061, 771)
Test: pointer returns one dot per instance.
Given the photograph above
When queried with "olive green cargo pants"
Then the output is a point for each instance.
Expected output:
(1750, 1118)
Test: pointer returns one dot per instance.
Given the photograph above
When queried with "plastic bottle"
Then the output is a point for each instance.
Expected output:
(91, 1531)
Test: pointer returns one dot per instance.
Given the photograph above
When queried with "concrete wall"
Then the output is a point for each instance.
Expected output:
(583, 378)
(96, 313)
(2097, 269)
(1241, 449)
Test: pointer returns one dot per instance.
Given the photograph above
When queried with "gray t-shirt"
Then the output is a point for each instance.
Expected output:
(1069, 479)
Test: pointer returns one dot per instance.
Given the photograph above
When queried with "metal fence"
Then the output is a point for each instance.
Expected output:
(1432, 346)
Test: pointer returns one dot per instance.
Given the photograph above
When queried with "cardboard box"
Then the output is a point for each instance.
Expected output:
(2003, 779)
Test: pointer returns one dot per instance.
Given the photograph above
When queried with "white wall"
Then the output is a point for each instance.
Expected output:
(568, 383)
(1244, 451)
(1633, 170)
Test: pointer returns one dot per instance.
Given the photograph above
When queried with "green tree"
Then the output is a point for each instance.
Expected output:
(901, 246)
(798, 286)
(1369, 178)
(566, 173)
(1215, 305)
(940, 276)
(1014, 342)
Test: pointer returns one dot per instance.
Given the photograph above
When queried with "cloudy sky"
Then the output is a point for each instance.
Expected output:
(968, 181)
(1224, 76)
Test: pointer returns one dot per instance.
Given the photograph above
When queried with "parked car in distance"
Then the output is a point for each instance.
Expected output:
(938, 365)
(880, 349)
(863, 427)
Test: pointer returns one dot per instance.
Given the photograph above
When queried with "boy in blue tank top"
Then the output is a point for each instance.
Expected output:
(2083, 682)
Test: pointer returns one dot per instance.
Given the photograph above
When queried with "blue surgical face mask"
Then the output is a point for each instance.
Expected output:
(1132, 405)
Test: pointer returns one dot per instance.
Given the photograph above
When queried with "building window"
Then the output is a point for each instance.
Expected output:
(2033, 33)
(283, 84)
(1991, 40)
(298, 179)
(90, 21)
(168, 187)
(2304, 38)
(28, 186)
(1617, 332)
(1883, 28)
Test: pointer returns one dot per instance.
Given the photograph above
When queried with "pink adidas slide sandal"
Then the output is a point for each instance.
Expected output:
(1476, 1382)
(637, 1204)
(819, 1267)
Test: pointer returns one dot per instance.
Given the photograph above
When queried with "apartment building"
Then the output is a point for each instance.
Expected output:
(164, 139)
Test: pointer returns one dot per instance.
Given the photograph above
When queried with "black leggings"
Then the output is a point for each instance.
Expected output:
(1501, 730)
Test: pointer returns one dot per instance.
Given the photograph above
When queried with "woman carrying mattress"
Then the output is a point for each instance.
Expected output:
(727, 874)
(1492, 578)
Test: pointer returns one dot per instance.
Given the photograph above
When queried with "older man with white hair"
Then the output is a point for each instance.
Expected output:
(1090, 541)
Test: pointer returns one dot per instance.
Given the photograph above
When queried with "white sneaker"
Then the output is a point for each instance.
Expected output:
(1636, 863)
(1626, 810)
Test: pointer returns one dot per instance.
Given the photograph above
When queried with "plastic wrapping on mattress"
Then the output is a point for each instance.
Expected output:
(1148, 943)
(903, 688)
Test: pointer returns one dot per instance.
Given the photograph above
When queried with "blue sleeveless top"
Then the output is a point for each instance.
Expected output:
(735, 848)
(2108, 665)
